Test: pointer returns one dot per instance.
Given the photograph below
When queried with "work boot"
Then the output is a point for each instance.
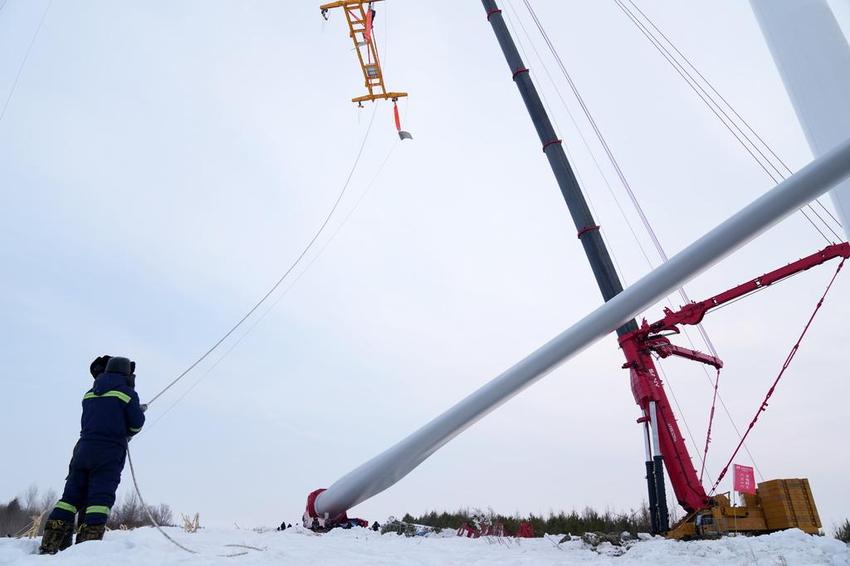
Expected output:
(58, 535)
(90, 532)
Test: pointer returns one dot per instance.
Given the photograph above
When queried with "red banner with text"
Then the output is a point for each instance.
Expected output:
(745, 480)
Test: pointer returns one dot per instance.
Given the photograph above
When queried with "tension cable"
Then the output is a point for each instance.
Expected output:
(635, 202)
(788, 360)
(710, 423)
(720, 113)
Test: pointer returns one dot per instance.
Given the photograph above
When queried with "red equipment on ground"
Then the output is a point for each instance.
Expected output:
(489, 530)
(525, 530)
(468, 531)
(312, 520)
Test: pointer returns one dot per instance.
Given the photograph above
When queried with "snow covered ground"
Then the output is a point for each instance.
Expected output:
(147, 547)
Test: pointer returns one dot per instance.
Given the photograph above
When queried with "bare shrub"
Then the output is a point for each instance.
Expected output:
(129, 513)
(25, 515)
(191, 525)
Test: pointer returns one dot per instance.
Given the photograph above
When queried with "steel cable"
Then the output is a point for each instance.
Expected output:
(633, 197)
(770, 169)
(24, 60)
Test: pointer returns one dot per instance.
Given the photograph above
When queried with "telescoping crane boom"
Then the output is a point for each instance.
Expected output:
(589, 234)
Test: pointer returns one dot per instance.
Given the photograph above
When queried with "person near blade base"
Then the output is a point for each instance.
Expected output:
(111, 415)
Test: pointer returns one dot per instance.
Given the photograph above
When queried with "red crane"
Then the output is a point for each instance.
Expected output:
(648, 389)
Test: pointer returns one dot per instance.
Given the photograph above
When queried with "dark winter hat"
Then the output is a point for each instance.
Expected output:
(120, 365)
(98, 365)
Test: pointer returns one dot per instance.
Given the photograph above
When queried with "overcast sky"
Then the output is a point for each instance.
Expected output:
(162, 163)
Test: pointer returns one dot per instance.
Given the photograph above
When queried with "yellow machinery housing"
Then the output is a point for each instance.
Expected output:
(776, 505)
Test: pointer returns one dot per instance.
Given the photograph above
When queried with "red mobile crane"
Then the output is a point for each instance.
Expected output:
(639, 346)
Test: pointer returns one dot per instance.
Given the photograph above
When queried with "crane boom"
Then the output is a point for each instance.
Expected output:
(693, 313)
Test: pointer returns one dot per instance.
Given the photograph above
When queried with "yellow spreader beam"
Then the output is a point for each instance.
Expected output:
(357, 14)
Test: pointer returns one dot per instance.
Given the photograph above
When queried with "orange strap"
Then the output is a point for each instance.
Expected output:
(397, 118)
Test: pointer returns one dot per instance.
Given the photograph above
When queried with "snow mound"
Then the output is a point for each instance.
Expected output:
(356, 547)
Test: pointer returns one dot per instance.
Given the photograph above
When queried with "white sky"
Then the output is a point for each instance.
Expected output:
(161, 163)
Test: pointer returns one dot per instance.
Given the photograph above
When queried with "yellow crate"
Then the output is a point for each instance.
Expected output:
(787, 504)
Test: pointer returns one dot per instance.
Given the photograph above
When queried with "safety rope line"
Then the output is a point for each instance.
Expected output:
(147, 510)
(287, 272)
(162, 531)
(283, 294)
(710, 423)
(25, 59)
(248, 314)
(788, 360)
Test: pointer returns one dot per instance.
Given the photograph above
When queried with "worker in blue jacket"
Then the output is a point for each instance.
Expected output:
(111, 415)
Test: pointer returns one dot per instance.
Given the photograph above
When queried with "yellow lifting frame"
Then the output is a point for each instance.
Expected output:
(364, 44)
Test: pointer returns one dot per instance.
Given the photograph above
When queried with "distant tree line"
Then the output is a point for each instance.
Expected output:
(574, 522)
(17, 516)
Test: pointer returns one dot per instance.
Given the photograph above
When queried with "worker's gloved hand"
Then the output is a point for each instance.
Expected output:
(144, 407)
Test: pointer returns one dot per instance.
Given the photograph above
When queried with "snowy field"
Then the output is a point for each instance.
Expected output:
(146, 547)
